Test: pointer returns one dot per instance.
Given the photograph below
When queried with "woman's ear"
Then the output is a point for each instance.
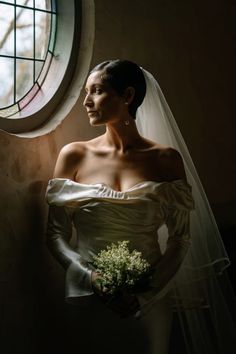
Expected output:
(129, 94)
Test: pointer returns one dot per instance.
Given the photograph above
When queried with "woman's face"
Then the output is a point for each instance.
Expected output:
(102, 103)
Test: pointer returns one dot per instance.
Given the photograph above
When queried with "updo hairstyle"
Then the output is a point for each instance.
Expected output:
(120, 74)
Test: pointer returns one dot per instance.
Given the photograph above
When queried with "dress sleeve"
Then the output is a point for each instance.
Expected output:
(59, 232)
(177, 202)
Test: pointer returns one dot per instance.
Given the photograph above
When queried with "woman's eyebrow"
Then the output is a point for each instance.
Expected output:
(94, 85)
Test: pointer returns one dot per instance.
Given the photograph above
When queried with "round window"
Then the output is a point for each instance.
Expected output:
(27, 38)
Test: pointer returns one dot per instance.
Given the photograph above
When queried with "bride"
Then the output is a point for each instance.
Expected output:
(124, 186)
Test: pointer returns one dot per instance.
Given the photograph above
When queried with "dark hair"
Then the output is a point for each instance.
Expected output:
(121, 74)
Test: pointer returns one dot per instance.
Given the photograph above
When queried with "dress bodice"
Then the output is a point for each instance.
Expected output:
(102, 215)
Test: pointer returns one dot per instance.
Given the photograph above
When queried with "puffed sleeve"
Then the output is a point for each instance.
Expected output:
(59, 232)
(177, 202)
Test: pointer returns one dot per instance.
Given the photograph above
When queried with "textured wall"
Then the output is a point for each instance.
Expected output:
(190, 49)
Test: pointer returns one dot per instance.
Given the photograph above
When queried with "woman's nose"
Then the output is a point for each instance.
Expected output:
(87, 101)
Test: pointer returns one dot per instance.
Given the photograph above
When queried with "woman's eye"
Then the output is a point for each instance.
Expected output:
(98, 90)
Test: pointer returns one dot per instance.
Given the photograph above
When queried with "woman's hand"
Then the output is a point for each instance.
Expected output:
(124, 303)
(96, 284)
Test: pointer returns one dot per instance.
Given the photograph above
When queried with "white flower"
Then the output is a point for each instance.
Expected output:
(119, 267)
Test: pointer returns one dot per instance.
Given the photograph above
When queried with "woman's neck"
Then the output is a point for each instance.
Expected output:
(122, 136)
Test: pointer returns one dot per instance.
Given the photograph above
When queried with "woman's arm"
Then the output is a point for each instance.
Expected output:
(177, 246)
(59, 231)
(177, 219)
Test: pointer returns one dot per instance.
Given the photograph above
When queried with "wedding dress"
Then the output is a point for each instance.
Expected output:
(101, 216)
(154, 217)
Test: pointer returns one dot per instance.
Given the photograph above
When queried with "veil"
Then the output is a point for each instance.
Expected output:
(202, 294)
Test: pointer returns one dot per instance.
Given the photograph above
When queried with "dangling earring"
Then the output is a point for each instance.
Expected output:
(127, 121)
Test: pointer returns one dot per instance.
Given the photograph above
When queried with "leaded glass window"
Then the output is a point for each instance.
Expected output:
(27, 38)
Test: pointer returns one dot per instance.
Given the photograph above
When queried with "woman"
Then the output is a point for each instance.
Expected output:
(120, 186)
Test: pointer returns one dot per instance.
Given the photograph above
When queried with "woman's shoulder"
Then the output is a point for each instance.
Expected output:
(77, 149)
(168, 154)
(71, 153)
(162, 151)
(69, 158)
(171, 163)
(168, 161)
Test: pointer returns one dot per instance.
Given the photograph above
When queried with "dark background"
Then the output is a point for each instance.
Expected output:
(189, 46)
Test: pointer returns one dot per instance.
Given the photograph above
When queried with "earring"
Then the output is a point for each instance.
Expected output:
(127, 121)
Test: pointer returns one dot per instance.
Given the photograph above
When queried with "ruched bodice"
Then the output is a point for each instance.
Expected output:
(102, 215)
(62, 191)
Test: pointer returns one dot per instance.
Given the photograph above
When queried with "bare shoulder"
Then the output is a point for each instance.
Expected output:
(171, 163)
(68, 159)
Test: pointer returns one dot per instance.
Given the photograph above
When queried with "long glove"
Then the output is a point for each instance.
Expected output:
(59, 232)
(178, 224)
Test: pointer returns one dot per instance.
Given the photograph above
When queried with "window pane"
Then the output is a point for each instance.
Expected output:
(38, 68)
(24, 33)
(24, 77)
(27, 30)
(25, 2)
(43, 4)
(7, 86)
(53, 33)
(45, 69)
(7, 112)
(29, 96)
(42, 33)
(6, 29)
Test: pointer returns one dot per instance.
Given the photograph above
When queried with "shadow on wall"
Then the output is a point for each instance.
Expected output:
(24, 261)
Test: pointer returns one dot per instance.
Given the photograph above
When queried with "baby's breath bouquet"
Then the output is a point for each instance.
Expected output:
(120, 269)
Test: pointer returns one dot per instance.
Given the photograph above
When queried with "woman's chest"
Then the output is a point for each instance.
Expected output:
(120, 173)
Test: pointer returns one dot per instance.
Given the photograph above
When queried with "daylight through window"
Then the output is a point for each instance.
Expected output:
(27, 38)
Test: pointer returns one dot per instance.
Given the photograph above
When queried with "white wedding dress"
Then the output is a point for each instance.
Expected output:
(101, 216)
(154, 217)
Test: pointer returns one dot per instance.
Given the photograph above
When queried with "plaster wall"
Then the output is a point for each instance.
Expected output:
(190, 49)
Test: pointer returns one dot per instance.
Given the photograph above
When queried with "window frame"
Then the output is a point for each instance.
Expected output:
(60, 73)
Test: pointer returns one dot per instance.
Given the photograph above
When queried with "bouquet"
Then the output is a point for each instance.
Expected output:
(120, 269)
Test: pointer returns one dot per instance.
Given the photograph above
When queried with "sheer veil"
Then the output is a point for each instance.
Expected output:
(202, 294)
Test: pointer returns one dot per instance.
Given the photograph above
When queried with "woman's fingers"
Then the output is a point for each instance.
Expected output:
(124, 305)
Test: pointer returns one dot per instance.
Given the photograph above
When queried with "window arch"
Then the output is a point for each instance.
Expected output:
(38, 108)
(27, 38)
